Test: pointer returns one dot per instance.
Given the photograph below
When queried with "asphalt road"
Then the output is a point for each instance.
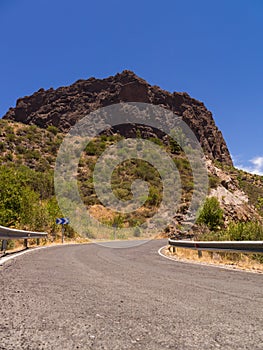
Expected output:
(92, 297)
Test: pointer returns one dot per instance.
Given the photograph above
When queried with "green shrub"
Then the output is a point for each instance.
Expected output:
(94, 148)
(137, 232)
(9, 129)
(213, 181)
(259, 204)
(53, 129)
(10, 137)
(174, 147)
(156, 141)
(21, 149)
(2, 146)
(154, 197)
(122, 193)
(241, 231)
(244, 231)
(9, 157)
(211, 214)
(32, 129)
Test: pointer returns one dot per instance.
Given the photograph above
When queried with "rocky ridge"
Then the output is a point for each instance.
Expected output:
(64, 106)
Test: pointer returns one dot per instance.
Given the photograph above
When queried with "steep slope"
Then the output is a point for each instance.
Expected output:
(64, 106)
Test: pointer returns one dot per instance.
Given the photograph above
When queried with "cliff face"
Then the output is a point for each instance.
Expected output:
(64, 106)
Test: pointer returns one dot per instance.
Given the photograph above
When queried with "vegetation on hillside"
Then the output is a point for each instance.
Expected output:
(28, 156)
(211, 214)
(27, 199)
(29, 145)
(126, 173)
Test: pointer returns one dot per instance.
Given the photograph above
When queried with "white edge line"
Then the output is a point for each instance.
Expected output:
(225, 267)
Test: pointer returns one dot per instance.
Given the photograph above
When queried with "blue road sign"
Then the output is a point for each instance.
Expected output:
(62, 221)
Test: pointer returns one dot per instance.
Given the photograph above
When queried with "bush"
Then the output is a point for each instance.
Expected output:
(53, 129)
(20, 195)
(241, 231)
(175, 147)
(213, 181)
(137, 232)
(21, 149)
(211, 214)
(259, 204)
(10, 137)
(2, 146)
(9, 157)
(154, 197)
(244, 231)
(95, 148)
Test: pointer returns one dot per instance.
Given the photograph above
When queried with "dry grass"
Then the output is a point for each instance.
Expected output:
(230, 260)
(98, 212)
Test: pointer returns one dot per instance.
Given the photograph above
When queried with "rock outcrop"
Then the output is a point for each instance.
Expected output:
(233, 200)
(64, 106)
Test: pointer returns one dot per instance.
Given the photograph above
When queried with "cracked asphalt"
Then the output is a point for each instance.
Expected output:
(93, 297)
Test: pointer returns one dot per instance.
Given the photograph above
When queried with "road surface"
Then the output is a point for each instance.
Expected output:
(92, 297)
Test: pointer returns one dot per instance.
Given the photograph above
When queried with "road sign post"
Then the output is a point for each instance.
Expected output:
(115, 232)
(62, 237)
(62, 221)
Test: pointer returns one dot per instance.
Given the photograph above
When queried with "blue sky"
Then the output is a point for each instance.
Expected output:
(211, 49)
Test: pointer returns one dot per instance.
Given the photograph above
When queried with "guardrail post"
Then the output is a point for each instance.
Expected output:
(7, 233)
(200, 254)
(26, 243)
(172, 249)
(4, 245)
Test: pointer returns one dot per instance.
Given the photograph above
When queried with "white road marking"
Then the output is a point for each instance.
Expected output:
(225, 267)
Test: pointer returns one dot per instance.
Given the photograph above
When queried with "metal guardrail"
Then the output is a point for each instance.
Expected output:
(10, 233)
(218, 246)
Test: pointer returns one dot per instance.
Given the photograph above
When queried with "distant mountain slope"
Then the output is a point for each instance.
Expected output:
(64, 106)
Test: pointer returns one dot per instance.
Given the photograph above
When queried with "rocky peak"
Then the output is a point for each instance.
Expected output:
(62, 107)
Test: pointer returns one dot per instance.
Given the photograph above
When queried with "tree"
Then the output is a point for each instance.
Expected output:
(211, 214)
(20, 197)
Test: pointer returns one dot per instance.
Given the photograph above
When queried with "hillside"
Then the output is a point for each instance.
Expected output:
(29, 145)
(33, 148)
(32, 132)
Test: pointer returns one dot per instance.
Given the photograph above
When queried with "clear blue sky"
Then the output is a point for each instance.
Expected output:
(211, 49)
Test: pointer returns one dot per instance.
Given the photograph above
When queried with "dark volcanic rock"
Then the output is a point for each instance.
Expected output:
(64, 106)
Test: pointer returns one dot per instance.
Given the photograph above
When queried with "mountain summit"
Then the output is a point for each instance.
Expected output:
(62, 107)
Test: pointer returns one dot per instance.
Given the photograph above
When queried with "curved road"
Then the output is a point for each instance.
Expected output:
(92, 297)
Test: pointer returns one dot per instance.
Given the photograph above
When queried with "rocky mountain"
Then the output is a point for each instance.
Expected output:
(62, 107)
(31, 134)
